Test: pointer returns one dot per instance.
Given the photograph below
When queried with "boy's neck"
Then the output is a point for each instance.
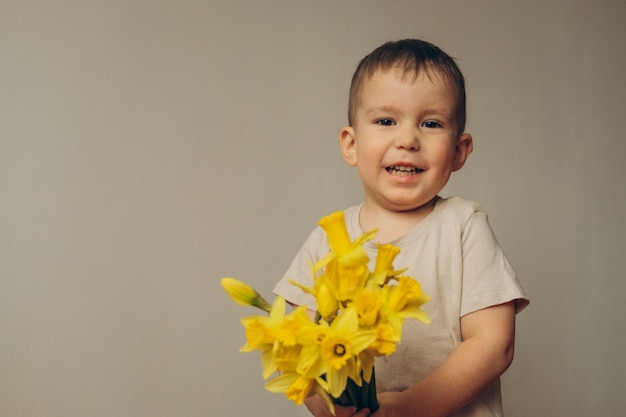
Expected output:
(392, 224)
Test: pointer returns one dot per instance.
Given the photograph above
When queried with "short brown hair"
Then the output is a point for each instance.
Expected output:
(410, 56)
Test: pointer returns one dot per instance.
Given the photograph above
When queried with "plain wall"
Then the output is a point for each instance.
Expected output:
(149, 148)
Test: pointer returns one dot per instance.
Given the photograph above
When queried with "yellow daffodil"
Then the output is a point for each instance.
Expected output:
(383, 270)
(349, 280)
(293, 326)
(409, 297)
(325, 293)
(404, 301)
(286, 358)
(335, 227)
(385, 257)
(384, 345)
(327, 301)
(345, 267)
(368, 306)
(298, 388)
(311, 362)
(262, 334)
(340, 348)
(242, 294)
(386, 342)
(259, 334)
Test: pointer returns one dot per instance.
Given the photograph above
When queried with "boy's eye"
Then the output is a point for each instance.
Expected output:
(385, 122)
(431, 124)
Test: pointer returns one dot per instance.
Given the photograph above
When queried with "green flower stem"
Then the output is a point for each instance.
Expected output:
(372, 400)
(363, 396)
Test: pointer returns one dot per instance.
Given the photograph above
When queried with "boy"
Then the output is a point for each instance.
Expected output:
(405, 137)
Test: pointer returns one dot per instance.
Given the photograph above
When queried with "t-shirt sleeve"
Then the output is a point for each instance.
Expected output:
(488, 279)
(314, 248)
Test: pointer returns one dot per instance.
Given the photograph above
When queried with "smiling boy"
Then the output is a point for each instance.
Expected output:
(406, 137)
(404, 140)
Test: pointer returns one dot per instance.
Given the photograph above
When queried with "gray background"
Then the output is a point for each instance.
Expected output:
(148, 148)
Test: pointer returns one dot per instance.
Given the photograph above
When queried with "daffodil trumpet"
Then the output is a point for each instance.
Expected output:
(359, 317)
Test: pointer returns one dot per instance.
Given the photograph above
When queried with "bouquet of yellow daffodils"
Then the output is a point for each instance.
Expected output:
(359, 317)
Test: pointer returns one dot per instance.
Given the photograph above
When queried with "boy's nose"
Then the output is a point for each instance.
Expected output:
(408, 139)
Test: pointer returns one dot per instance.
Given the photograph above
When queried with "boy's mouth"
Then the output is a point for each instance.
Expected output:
(403, 170)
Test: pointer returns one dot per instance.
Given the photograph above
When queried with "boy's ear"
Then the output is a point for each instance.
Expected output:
(464, 147)
(347, 143)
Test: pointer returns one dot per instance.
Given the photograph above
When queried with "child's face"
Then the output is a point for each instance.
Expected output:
(404, 139)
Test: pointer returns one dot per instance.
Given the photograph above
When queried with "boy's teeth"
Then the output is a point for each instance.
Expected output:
(403, 170)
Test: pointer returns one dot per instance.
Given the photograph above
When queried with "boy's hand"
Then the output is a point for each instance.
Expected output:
(390, 404)
(340, 413)
(318, 408)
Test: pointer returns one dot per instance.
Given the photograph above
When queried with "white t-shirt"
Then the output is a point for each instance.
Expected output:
(455, 256)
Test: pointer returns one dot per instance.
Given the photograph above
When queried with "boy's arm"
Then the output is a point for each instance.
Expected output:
(485, 353)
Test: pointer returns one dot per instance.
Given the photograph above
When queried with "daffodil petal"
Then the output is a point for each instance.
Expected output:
(281, 383)
(268, 363)
(337, 380)
(323, 393)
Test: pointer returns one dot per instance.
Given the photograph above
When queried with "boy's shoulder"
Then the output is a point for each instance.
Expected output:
(459, 206)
